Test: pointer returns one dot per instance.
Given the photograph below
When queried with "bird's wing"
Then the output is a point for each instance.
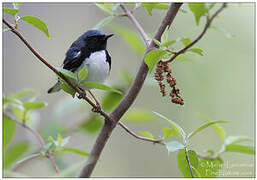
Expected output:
(73, 59)
(108, 59)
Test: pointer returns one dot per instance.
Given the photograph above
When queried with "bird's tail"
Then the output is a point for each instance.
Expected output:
(55, 88)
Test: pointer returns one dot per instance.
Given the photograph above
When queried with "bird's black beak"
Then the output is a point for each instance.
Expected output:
(108, 36)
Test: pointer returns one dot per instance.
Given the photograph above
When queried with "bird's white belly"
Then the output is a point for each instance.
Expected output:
(97, 67)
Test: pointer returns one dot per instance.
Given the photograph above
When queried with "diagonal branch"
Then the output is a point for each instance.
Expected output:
(128, 99)
(39, 138)
(78, 90)
(207, 25)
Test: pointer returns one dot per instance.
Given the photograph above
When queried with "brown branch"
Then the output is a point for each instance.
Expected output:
(128, 99)
(138, 26)
(155, 141)
(207, 25)
(78, 90)
(38, 137)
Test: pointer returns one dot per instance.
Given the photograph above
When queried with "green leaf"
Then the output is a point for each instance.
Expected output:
(197, 51)
(14, 153)
(153, 57)
(104, 22)
(240, 148)
(209, 167)
(183, 165)
(147, 134)
(68, 89)
(205, 126)
(157, 42)
(168, 132)
(236, 139)
(67, 73)
(34, 105)
(22, 93)
(82, 73)
(106, 7)
(209, 5)
(9, 128)
(198, 9)
(132, 39)
(77, 151)
(169, 43)
(38, 23)
(12, 12)
(179, 129)
(59, 139)
(150, 6)
(185, 41)
(174, 146)
(92, 125)
(110, 100)
(91, 84)
(16, 5)
(139, 116)
(17, 111)
(219, 130)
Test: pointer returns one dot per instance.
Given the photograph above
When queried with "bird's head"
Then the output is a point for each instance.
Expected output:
(96, 40)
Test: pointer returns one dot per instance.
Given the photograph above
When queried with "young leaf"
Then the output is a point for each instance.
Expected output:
(91, 84)
(139, 116)
(59, 139)
(205, 126)
(157, 42)
(22, 93)
(240, 148)
(67, 73)
(12, 12)
(16, 5)
(185, 41)
(169, 43)
(147, 134)
(198, 9)
(133, 40)
(174, 146)
(154, 57)
(104, 22)
(209, 167)
(197, 51)
(174, 125)
(82, 74)
(38, 23)
(150, 6)
(77, 151)
(168, 132)
(34, 105)
(183, 165)
(68, 89)
(14, 153)
(9, 128)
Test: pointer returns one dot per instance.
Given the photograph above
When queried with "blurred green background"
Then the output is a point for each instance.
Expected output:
(219, 84)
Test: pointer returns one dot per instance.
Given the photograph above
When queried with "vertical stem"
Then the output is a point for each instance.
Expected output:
(188, 162)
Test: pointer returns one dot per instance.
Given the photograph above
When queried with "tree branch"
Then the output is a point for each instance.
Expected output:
(138, 26)
(38, 137)
(128, 99)
(207, 25)
(140, 137)
(78, 90)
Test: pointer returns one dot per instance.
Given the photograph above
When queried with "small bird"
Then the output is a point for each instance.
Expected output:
(88, 50)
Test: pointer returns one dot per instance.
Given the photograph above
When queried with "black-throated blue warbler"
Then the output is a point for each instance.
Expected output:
(88, 50)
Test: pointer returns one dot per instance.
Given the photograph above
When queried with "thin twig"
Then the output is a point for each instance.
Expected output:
(78, 90)
(207, 25)
(140, 137)
(138, 26)
(39, 138)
